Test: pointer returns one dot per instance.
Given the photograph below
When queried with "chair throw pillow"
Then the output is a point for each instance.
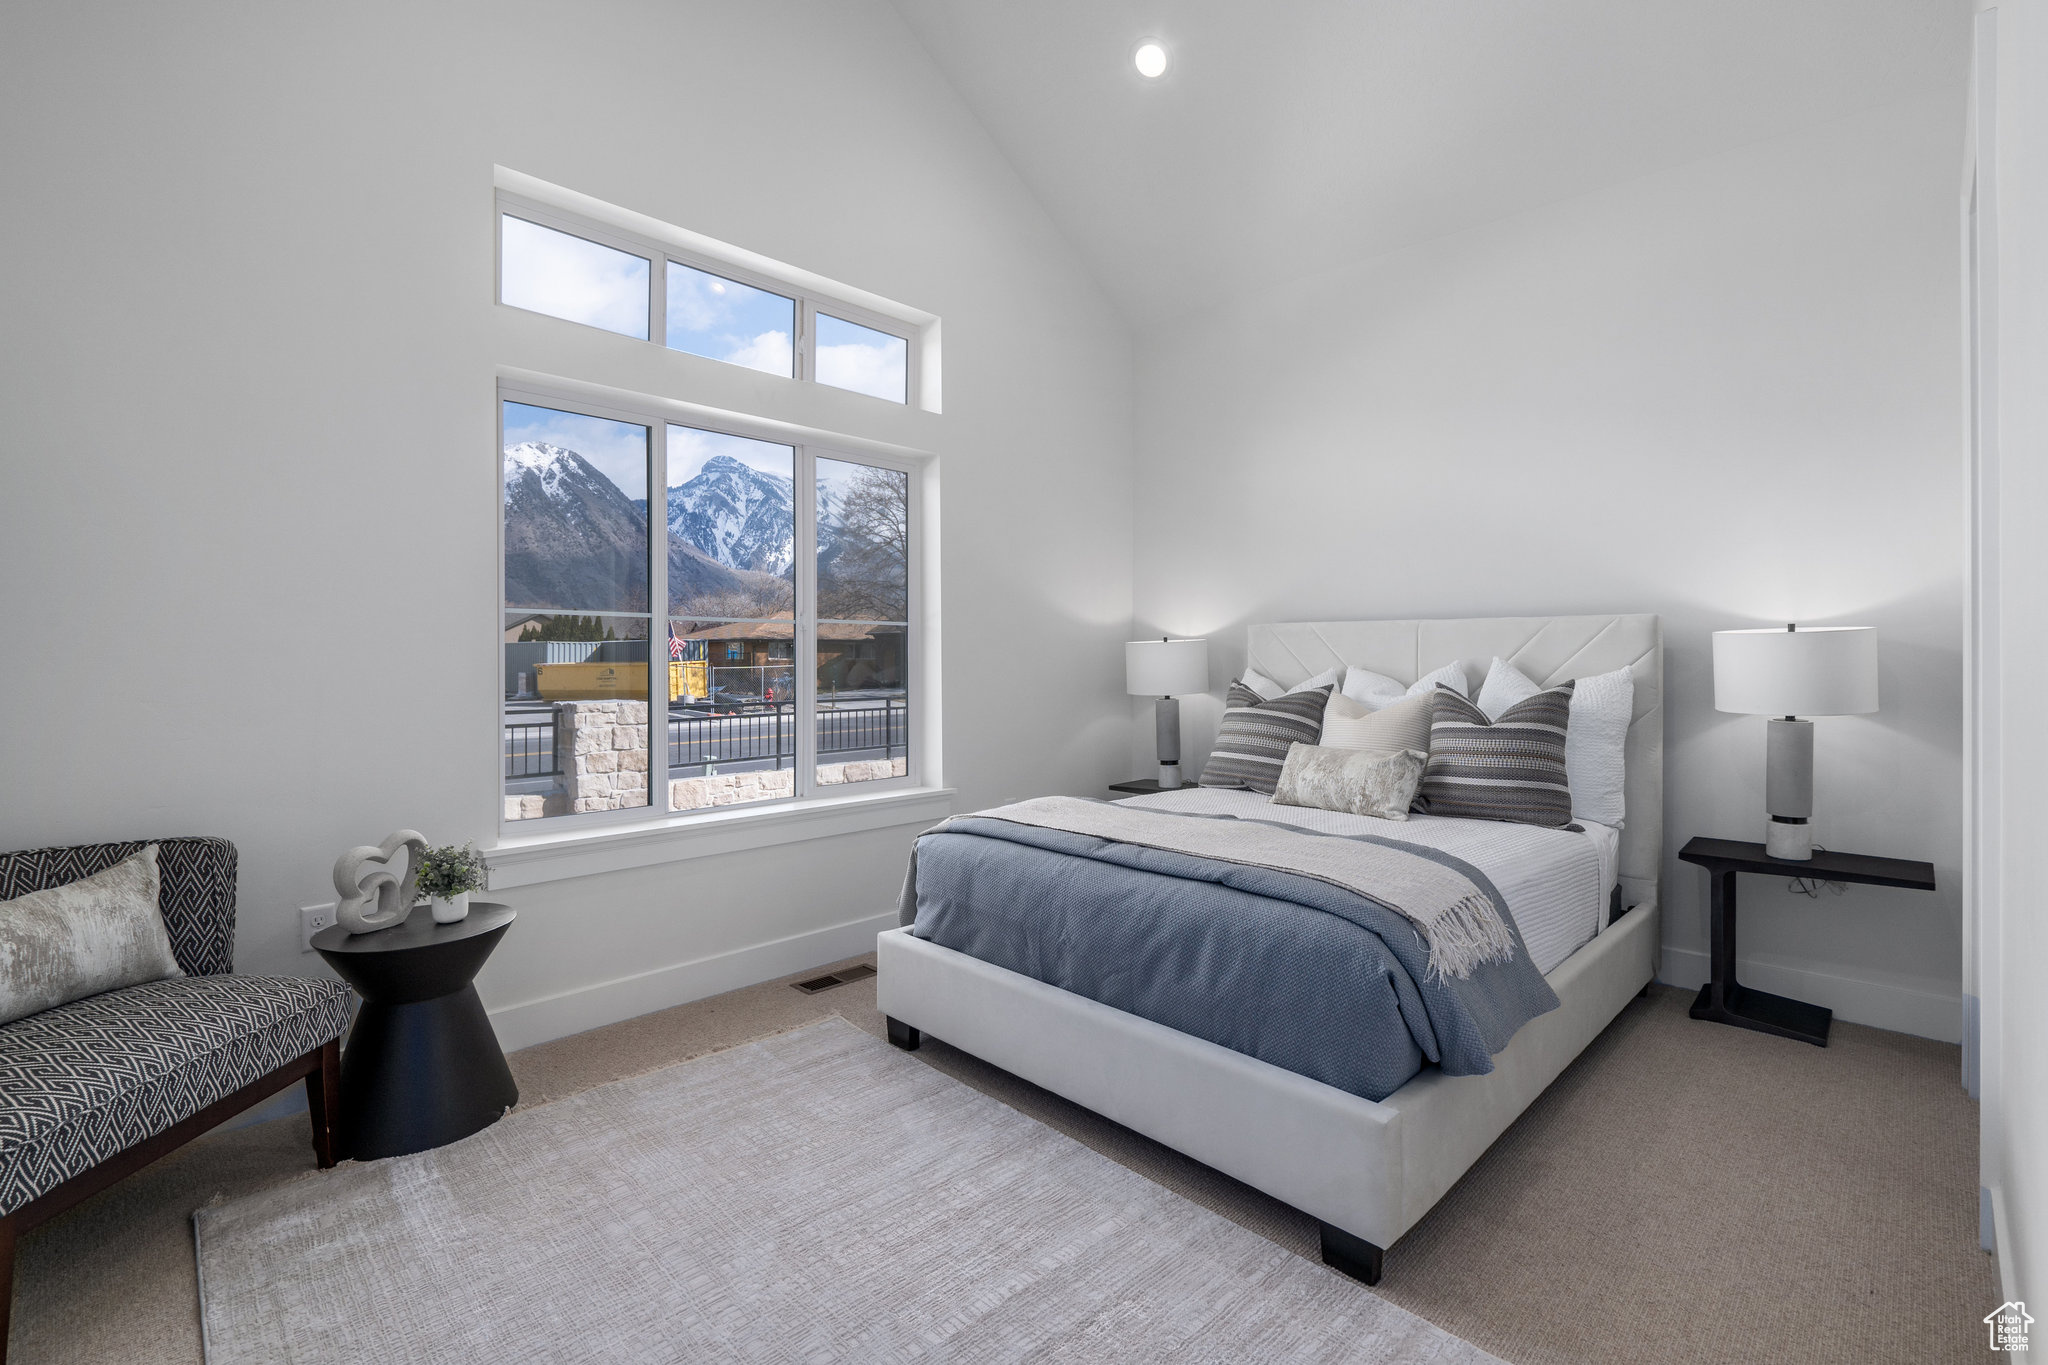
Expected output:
(1348, 724)
(1509, 769)
(66, 942)
(1357, 781)
(1254, 737)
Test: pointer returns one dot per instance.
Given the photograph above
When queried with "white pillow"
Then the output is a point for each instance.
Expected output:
(1376, 691)
(1594, 742)
(1261, 684)
(1268, 689)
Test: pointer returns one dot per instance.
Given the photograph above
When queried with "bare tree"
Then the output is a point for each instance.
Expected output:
(868, 576)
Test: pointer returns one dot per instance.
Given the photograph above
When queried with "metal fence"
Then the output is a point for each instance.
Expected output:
(751, 734)
(768, 733)
(530, 749)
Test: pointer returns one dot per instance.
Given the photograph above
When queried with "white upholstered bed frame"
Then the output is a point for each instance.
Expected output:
(1366, 1170)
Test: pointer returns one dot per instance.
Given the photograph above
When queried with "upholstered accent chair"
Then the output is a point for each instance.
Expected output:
(99, 1088)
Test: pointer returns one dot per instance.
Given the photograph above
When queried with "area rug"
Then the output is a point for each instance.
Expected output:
(815, 1196)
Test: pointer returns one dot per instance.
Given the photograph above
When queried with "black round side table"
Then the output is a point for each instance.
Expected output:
(422, 1066)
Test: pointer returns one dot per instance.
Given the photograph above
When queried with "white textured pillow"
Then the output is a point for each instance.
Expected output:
(1376, 691)
(1268, 689)
(1595, 743)
(1349, 724)
(67, 942)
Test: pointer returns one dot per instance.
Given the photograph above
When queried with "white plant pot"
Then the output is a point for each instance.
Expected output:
(453, 910)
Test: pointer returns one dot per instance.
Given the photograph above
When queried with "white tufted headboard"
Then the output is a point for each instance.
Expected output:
(1549, 649)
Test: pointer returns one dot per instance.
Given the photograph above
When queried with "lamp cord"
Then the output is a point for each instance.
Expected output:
(1811, 887)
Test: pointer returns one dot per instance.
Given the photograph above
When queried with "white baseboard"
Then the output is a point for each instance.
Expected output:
(627, 997)
(1855, 1000)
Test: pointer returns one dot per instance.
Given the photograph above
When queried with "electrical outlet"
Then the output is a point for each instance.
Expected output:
(312, 919)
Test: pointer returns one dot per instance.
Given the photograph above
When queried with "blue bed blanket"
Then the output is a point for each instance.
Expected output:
(1287, 968)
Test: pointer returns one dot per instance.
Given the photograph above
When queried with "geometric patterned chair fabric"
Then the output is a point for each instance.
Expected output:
(197, 896)
(84, 1082)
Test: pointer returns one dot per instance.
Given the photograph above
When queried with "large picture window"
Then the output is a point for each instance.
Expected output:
(779, 665)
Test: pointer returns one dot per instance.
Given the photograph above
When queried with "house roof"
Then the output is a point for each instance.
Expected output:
(781, 627)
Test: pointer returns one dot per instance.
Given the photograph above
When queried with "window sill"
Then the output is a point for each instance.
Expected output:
(529, 862)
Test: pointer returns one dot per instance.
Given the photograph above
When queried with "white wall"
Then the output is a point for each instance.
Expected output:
(247, 375)
(1728, 393)
(2013, 932)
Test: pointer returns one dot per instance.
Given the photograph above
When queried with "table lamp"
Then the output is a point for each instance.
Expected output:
(1786, 674)
(1168, 670)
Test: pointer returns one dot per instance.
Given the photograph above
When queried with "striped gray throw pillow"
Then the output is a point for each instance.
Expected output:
(1508, 769)
(1253, 740)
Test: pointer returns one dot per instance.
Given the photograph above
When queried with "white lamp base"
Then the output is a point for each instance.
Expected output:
(1793, 843)
(1169, 776)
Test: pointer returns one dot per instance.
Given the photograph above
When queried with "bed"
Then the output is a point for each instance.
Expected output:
(1366, 1147)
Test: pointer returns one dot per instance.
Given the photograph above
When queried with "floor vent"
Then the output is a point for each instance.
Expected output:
(826, 983)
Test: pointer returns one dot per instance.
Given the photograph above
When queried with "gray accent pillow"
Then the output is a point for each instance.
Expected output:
(1508, 769)
(85, 937)
(1358, 781)
(1253, 740)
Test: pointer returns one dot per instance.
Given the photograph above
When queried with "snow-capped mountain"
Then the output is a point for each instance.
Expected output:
(736, 514)
(574, 541)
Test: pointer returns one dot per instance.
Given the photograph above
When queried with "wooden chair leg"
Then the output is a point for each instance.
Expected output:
(7, 1230)
(323, 1099)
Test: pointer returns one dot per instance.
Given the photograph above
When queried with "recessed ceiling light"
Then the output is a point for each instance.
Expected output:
(1150, 59)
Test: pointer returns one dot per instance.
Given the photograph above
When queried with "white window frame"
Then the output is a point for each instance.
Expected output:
(657, 414)
(809, 300)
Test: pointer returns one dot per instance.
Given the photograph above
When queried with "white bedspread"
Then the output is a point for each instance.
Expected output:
(1555, 882)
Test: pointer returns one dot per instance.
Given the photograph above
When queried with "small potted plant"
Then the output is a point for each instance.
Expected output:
(447, 876)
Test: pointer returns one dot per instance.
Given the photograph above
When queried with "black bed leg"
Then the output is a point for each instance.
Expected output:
(1349, 1255)
(903, 1035)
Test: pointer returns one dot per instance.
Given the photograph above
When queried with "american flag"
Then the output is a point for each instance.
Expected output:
(675, 643)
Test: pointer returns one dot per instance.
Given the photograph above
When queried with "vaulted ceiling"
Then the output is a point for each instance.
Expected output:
(1290, 136)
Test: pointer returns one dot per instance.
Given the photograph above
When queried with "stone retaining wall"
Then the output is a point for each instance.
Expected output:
(607, 747)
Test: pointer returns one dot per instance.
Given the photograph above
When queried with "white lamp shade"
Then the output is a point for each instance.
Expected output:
(1166, 668)
(1824, 671)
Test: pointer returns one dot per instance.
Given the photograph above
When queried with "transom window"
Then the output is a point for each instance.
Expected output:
(553, 263)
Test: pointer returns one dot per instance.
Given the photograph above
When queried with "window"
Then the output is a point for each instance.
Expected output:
(702, 609)
(781, 666)
(554, 263)
(572, 277)
(851, 356)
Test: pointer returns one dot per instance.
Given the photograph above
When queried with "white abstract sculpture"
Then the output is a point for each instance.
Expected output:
(358, 888)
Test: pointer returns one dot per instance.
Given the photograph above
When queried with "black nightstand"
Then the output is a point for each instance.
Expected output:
(1725, 1000)
(1148, 786)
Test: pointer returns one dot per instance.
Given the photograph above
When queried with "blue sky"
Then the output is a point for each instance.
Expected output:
(566, 276)
(860, 358)
(726, 320)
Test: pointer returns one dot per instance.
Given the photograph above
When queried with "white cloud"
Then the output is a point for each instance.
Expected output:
(873, 370)
(768, 352)
(566, 277)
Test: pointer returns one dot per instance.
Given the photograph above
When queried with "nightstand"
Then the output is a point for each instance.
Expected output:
(1723, 999)
(1148, 786)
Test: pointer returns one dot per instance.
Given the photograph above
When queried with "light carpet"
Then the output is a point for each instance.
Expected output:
(811, 1196)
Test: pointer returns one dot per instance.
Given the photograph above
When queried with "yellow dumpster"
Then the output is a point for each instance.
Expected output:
(610, 682)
